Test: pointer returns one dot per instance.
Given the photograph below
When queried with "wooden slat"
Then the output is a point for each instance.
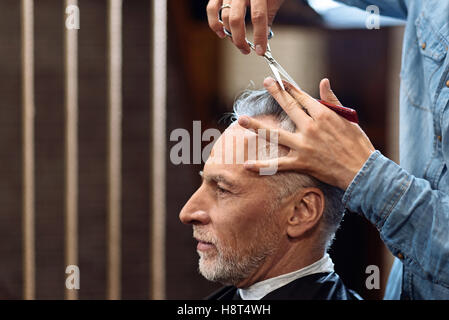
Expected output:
(28, 150)
(114, 148)
(158, 145)
(71, 149)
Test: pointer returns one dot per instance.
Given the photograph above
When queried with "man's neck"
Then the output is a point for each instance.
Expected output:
(286, 260)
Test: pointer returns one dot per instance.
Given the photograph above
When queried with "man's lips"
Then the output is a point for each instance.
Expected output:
(203, 245)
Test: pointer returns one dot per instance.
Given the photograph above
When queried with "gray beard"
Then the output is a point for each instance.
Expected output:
(231, 267)
(230, 271)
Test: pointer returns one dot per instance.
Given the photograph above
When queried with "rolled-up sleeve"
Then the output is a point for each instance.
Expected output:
(390, 8)
(413, 219)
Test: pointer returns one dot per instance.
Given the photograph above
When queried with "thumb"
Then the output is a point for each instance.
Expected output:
(327, 94)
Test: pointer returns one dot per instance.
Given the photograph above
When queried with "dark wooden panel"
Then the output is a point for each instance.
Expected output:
(135, 150)
(49, 149)
(92, 149)
(10, 152)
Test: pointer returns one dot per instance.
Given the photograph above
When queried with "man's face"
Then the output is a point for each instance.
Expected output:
(233, 213)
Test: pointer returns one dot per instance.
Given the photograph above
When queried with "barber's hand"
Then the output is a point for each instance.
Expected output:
(325, 145)
(262, 16)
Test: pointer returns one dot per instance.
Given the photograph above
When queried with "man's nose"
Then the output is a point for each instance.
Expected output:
(195, 211)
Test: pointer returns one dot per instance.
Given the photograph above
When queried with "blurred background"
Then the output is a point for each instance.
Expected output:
(85, 119)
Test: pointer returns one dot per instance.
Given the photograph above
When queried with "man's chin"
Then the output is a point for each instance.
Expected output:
(208, 269)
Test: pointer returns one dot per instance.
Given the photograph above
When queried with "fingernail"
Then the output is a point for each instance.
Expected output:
(243, 121)
(268, 82)
(245, 51)
(259, 50)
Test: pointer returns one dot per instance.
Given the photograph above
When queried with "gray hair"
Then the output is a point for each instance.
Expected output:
(256, 103)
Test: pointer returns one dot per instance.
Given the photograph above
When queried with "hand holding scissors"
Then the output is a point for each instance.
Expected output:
(262, 14)
(279, 72)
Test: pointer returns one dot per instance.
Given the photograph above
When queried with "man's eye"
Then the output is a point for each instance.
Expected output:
(221, 191)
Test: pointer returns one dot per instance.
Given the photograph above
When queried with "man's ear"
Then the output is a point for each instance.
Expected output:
(305, 212)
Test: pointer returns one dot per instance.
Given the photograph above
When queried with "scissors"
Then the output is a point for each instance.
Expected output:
(278, 72)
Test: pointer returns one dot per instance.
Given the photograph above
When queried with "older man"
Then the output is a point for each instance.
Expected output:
(264, 236)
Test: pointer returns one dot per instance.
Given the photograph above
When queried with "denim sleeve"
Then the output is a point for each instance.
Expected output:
(390, 8)
(412, 219)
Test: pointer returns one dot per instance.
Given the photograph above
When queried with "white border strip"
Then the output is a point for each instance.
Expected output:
(71, 149)
(158, 103)
(28, 150)
(114, 148)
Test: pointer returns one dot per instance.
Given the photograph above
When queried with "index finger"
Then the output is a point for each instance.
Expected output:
(287, 102)
(306, 101)
(212, 17)
(259, 19)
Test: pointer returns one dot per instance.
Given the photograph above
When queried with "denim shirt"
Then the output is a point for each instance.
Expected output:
(409, 204)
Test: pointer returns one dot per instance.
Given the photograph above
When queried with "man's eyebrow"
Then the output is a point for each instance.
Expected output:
(217, 178)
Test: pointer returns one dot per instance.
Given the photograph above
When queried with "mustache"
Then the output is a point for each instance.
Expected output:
(203, 235)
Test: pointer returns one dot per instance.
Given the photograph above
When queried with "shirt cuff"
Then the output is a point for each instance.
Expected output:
(365, 168)
(376, 189)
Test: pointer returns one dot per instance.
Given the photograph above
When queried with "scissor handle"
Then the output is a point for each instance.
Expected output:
(347, 113)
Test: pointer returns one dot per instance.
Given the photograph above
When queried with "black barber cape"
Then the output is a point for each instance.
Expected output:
(318, 286)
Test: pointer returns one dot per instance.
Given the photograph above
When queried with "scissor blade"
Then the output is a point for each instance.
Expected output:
(284, 73)
(277, 75)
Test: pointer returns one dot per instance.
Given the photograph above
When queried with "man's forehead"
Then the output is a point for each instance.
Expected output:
(229, 153)
(237, 144)
(233, 146)
(237, 130)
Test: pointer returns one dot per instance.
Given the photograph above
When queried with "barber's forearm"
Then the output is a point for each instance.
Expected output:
(390, 8)
(413, 219)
